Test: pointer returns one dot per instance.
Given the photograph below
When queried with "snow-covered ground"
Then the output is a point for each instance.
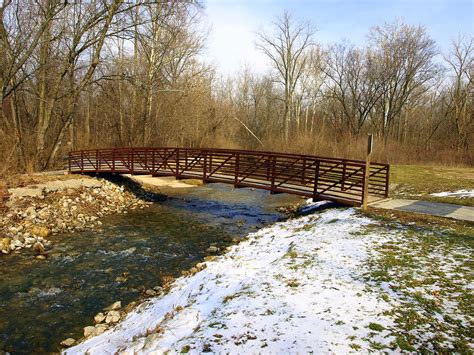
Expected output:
(296, 286)
(333, 282)
(459, 194)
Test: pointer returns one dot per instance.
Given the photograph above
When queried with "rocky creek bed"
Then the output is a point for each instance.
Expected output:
(36, 212)
(93, 257)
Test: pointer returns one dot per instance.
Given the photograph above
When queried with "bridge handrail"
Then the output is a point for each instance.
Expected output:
(318, 177)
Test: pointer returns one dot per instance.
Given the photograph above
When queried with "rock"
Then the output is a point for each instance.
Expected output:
(89, 331)
(40, 231)
(112, 317)
(17, 244)
(5, 245)
(68, 342)
(212, 249)
(114, 306)
(158, 289)
(150, 293)
(100, 328)
(41, 257)
(99, 317)
(39, 248)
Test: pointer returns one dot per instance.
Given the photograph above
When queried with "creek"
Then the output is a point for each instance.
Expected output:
(45, 301)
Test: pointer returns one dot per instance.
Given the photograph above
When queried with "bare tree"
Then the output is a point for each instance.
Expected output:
(404, 56)
(285, 48)
(460, 107)
(352, 83)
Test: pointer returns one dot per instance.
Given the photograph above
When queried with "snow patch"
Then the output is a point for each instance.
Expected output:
(296, 286)
(459, 194)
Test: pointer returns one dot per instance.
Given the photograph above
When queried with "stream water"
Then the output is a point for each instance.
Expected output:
(44, 302)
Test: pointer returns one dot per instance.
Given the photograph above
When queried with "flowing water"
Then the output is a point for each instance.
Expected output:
(44, 302)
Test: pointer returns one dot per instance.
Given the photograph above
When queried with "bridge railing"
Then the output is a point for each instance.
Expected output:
(340, 180)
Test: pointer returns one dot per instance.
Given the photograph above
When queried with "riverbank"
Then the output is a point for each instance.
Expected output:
(128, 258)
(32, 214)
(330, 282)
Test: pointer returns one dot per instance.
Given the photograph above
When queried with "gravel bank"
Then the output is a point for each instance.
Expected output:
(34, 213)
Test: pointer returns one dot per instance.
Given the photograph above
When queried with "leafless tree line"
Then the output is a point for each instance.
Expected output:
(114, 73)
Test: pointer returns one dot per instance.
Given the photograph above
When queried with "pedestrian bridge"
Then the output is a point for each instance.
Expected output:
(320, 178)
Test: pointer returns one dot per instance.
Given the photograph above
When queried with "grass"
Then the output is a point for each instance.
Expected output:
(22, 180)
(427, 222)
(429, 268)
(418, 182)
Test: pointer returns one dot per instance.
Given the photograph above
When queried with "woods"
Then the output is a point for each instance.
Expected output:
(109, 73)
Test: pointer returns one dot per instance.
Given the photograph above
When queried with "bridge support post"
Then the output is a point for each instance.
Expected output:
(316, 178)
(272, 188)
(365, 192)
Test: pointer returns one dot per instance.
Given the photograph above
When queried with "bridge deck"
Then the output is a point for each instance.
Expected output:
(339, 180)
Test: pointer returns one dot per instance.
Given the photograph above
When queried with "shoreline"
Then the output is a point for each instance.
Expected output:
(35, 213)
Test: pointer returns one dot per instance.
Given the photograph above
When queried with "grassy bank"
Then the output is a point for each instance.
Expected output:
(419, 182)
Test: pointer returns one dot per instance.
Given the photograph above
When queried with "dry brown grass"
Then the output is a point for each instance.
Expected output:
(22, 180)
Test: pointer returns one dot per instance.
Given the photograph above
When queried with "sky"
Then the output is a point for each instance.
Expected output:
(233, 23)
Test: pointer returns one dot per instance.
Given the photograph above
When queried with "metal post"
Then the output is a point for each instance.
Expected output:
(205, 166)
(316, 177)
(96, 161)
(237, 170)
(387, 179)
(177, 164)
(304, 172)
(365, 192)
(344, 163)
(272, 188)
(113, 161)
(153, 162)
(82, 161)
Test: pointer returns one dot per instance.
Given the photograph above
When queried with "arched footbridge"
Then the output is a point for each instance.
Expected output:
(320, 178)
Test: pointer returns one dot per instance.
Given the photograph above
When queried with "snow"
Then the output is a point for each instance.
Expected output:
(296, 286)
(459, 194)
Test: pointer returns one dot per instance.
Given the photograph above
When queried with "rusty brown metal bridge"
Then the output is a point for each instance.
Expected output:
(320, 178)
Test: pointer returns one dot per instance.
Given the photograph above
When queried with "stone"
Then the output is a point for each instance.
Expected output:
(100, 329)
(41, 257)
(114, 306)
(39, 248)
(212, 249)
(99, 317)
(150, 293)
(68, 342)
(40, 231)
(89, 331)
(112, 317)
(5, 245)
(158, 289)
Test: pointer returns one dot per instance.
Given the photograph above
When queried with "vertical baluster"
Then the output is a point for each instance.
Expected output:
(205, 166)
(113, 161)
(153, 162)
(344, 163)
(236, 170)
(177, 164)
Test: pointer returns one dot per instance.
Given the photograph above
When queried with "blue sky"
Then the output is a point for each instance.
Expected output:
(231, 42)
